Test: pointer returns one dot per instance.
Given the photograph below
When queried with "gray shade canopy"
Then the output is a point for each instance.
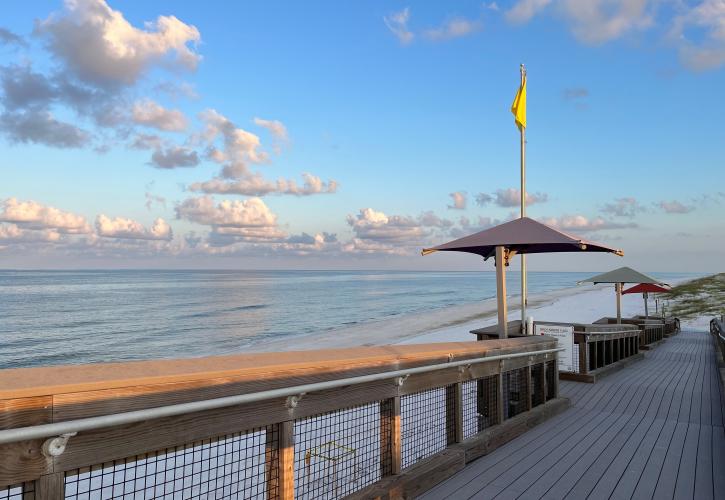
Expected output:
(622, 275)
(521, 236)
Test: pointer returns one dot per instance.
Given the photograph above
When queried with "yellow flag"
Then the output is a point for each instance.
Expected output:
(518, 108)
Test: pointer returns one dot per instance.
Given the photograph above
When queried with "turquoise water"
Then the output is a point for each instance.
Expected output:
(66, 317)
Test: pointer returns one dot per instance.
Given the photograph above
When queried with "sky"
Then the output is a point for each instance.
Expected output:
(320, 135)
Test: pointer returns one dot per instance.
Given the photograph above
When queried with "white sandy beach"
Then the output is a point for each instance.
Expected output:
(580, 304)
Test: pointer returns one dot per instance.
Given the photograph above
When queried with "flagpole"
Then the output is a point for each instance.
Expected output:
(524, 293)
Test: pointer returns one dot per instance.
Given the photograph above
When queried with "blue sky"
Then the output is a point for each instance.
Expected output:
(133, 140)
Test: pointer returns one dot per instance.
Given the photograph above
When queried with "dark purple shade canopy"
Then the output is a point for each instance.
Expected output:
(522, 236)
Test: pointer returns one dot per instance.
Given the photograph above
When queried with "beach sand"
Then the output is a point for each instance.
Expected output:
(579, 304)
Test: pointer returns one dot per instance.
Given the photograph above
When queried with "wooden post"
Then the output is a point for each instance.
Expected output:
(501, 293)
(454, 413)
(529, 386)
(583, 354)
(500, 397)
(286, 460)
(50, 487)
(618, 290)
(390, 446)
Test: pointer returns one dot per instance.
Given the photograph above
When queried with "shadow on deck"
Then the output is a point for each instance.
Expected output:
(652, 430)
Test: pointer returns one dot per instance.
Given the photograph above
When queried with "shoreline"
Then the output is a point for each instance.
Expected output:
(406, 327)
(579, 304)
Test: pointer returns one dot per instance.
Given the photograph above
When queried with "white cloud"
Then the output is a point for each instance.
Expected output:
(510, 198)
(256, 185)
(122, 228)
(585, 224)
(147, 141)
(598, 21)
(707, 49)
(35, 216)
(41, 127)
(460, 200)
(14, 234)
(275, 127)
(100, 46)
(456, 27)
(524, 10)
(239, 146)
(152, 199)
(370, 224)
(624, 207)
(397, 23)
(592, 21)
(151, 114)
(7, 37)
(174, 157)
(674, 207)
(252, 212)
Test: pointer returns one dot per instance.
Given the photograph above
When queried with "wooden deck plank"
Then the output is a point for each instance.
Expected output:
(643, 470)
(685, 486)
(648, 431)
(667, 479)
(623, 474)
(576, 459)
(703, 468)
(718, 459)
(616, 405)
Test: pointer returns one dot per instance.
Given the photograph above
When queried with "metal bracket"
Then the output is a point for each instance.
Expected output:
(401, 380)
(293, 401)
(54, 447)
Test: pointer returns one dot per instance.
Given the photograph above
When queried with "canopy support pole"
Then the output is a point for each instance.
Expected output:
(618, 289)
(501, 292)
(646, 310)
(524, 290)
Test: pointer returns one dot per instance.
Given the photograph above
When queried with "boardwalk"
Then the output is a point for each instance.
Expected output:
(651, 431)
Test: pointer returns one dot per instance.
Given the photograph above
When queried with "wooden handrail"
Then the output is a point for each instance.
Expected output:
(57, 394)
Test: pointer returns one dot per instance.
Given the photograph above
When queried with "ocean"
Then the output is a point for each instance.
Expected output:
(72, 317)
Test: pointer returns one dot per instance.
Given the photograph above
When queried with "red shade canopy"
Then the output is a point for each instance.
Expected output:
(647, 287)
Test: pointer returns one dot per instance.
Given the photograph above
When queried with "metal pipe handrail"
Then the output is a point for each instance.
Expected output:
(719, 327)
(71, 427)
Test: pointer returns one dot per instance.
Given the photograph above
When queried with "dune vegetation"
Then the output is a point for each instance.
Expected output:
(697, 298)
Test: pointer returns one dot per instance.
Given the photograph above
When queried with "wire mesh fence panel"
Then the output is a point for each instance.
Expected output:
(537, 385)
(235, 466)
(575, 356)
(550, 380)
(423, 425)
(480, 409)
(515, 392)
(24, 491)
(339, 452)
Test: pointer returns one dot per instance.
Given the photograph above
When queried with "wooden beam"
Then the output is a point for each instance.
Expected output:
(454, 413)
(390, 444)
(501, 293)
(50, 487)
(286, 460)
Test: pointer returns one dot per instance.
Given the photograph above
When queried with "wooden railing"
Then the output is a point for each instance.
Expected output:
(320, 443)
(717, 328)
(651, 330)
